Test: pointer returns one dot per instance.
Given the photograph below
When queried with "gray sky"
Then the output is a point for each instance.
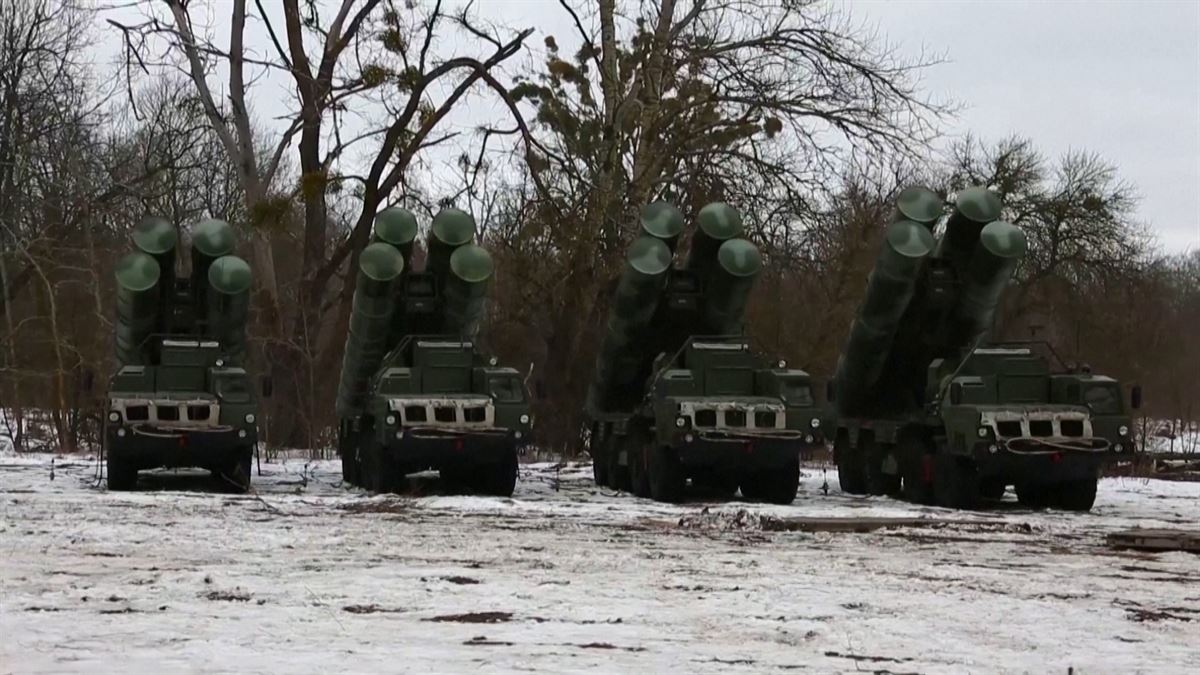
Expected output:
(1118, 78)
(1121, 79)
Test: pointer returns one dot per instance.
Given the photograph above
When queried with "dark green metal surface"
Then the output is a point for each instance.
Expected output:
(920, 205)
(1001, 246)
(398, 227)
(379, 266)
(890, 288)
(211, 239)
(974, 207)
(716, 223)
(450, 229)
(728, 285)
(138, 302)
(228, 305)
(465, 292)
(158, 238)
(663, 221)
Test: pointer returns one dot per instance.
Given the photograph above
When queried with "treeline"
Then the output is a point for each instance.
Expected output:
(790, 111)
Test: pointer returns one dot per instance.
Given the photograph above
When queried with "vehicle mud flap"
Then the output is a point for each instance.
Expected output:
(955, 482)
(916, 469)
(877, 482)
(122, 474)
(497, 479)
(667, 480)
(234, 477)
(639, 470)
(851, 466)
(1034, 495)
(374, 469)
(618, 475)
(992, 488)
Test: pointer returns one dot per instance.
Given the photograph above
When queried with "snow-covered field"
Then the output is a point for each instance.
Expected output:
(309, 576)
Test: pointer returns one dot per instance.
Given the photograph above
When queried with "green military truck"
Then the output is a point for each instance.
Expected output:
(180, 396)
(678, 392)
(417, 392)
(928, 410)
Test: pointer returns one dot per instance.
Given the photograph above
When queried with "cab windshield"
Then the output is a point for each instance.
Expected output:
(505, 390)
(796, 392)
(1103, 400)
(232, 389)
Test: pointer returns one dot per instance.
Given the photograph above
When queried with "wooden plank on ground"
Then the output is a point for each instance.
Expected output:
(1147, 539)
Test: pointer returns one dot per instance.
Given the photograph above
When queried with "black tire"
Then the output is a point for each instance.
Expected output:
(915, 471)
(350, 469)
(618, 476)
(1076, 495)
(778, 486)
(852, 477)
(667, 480)
(876, 481)
(497, 479)
(122, 475)
(1034, 495)
(992, 488)
(637, 449)
(373, 469)
(235, 476)
(955, 482)
(599, 460)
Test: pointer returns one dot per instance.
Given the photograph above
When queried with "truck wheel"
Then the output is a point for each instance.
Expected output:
(122, 476)
(350, 465)
(1033, 495)
(916, 469)
(498, 479)
(373, 469)
(599, 469)
(666, 475)
(618, 476)
(992, 488)
(850, 466)
(1076, 495)
(639, 472)
(235, 476)
(779, 487)
(955, 482)
(877, 482)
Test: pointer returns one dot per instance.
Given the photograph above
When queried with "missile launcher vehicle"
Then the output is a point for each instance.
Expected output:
(678, 392)
(416, 391)
(928, 409)
(181, 396)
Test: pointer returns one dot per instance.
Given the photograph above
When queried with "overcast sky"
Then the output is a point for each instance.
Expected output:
(1121, 79)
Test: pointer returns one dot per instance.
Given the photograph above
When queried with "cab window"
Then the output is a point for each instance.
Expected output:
(232, 389)
(506, 390)
(1103, 400)
(797, 393)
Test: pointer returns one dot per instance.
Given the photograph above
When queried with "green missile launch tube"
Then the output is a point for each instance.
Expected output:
(137, 307)
(398, 227)
(920, 205)
(1001, 247)
(974, 207)
(157, 237)
(228, 305)
(890, 289)
(663, 221)
(379, 266)
(728, 285)
(716, 223)
(465, 293)
(634, 303)
(450, 229)
(211, 239)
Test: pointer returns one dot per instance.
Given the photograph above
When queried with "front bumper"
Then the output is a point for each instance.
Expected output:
(1035, 461)
(150, 447)
(723, 449)
(417, 448)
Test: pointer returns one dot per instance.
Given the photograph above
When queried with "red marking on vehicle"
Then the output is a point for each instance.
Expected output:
(927, 468)
(1056, 458)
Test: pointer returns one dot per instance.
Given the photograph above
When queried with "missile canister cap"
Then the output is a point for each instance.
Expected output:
(649, 255)
(909, 239)
(213, 237)
(740, 258)
(920, 204)
(662, 220)
(720, 221)
(154, 235)
(381, 262)
(978, 204)
(229, 274)
(453, 226)
(137, 272)
(396, 226)
(471, 263)
(1003, 239)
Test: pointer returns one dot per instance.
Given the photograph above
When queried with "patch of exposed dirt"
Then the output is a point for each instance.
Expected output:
(483, 641)
(606, 645)
(378, 506)
(371, 609)
(236, 595)
(473, 617)
(865, 657)
(461, 581)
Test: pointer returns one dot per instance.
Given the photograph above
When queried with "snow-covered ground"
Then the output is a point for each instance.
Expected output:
(309, 576)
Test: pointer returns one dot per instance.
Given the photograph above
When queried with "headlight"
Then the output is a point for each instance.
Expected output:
(241, 433)
(250, 418)
(1124, 430)
(399, 435)
(815, 422)
(115, 416)
(1119, 448)
(688, 438)
(993, 448)
(808, 438)
(390, 419)
(121, 433)
(681, 421)
(983, 432)
(517, 435)
(524, 419)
